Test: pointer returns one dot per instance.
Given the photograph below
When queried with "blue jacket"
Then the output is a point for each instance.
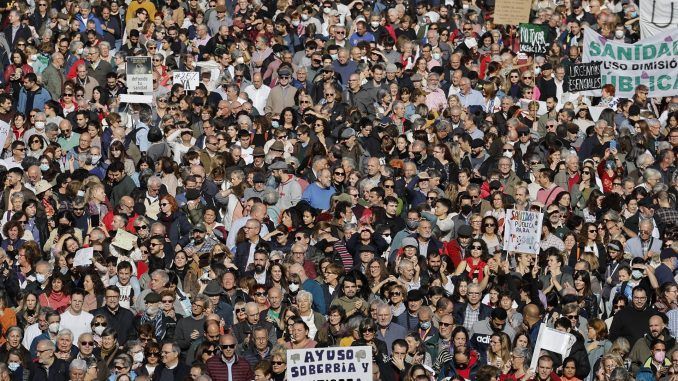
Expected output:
(316, 290)
(83, 23)
(41, 97)
(317, 196)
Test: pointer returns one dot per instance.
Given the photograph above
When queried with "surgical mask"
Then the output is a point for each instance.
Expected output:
(152, 310)
(39, 125)
(327, 10)
(374, 24)
(304, 17)
(508, 154)
(96, 158)
(79, 51)
(99, 330)
(295, 23)
(636, 274)
(294, 287)
(436, 56)
(619, 34)
(465, 6)
(364, 81)
(537, 70)
(412, 225)
(138, 357)
(13, 366)
(387, 239)
(660, 356)
(54, 328)
(425, 324)
(334, 56)
(634, 15)
(40, 278)
(44, 167)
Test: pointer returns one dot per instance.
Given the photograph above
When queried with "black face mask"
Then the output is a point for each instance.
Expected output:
(466, 209)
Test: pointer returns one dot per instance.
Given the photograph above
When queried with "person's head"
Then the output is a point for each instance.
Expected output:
(544, 367)
(639, 298)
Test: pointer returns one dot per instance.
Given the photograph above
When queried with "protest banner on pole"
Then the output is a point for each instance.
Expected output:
(512, 12)
(652, 62)
(657, 16)
(522, 231)
(139, 75)
(583, 76)
(533, 39)
(552, 340)
(325, 364)
(188, 79)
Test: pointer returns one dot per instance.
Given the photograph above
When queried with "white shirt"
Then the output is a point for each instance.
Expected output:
(78, 324)
(31, 332)
(258, 96)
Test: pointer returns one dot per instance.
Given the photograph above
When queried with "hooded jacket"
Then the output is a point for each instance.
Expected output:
(641, 349)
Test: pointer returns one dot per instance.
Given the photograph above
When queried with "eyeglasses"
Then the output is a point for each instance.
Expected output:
(164, 203)
(490, 225)
(592, 230)
(340, 173)
(367, 330)
(443, 324)
(389, 186)
(20, 149)
(572, 317)
(168, 301)
(102, 324)
(396, 293)
(141, 227)
(87, 343)
(528, 77)
(68, 94)
(227, 346)
(260, 294)
(277, 362)
(153, 354)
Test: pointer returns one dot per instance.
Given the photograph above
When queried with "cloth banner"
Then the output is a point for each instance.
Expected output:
(522, 231)
(657, 16)
(652, 62)
(323, 364)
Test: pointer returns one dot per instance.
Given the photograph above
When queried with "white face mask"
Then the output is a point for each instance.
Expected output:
(79, 51)
(294, 287)
(138, 357)
(33, 57)
(39, 125)
(240, 60)
(375, 24)
(619, 34)
(99, 330)
(13, 366)
(508, 154)
(436, 56)
(96, 158)
(54, 328)
(295, 23)
(387, 238)
(304, 17)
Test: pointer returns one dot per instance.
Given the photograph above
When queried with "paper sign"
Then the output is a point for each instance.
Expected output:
(124, 240)
(522, 231)
(583, 76)
(188, 79)
(651, 62)
(135, 98)
(336, 363)
(512, 12)
(139, 75)
(83, 257)
(533, 39)
(552, 340)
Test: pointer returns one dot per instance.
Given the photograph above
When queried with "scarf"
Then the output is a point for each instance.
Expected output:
(155, 322)
(475, 271)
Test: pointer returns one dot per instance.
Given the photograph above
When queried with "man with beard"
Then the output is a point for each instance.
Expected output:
(191, 327)
(153, 316)
(244, 329)
(289, 188)
(200, 244)
(319, 193)
(260, 265)
(118, 184)
(641, 349)
(211, 335)
(482, 330)
(350, 301)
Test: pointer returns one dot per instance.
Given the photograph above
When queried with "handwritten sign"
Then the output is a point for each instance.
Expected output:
(584, 76)
(139, 75)
(322, 364)
(512, 12)
(188, 79)
(522, 231)
(533, 39)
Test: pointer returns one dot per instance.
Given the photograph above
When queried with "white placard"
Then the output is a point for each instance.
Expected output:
(136, 98)
(83, 257)
(336, 363)
(139, 75)
(552, 340)
(522, 231)
(188, 79)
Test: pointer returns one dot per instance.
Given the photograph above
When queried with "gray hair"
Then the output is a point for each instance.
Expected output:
(270, 197)
(163, 274)
(78, 364)
(65, 332)
(153, 180)
(305, 294)
(644, 158)
(245, 119)
(651, 173)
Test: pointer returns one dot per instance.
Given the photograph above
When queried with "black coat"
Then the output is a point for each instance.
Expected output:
(460, 310)
(57, 372)
(180, 372)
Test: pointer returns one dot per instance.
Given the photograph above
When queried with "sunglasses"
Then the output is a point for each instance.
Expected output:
(153, 354)
(443, 324)
(277, 363)
(227, 346)
(87, 343)
(100, 324)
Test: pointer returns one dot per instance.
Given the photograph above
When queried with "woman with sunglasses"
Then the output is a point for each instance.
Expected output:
(367, 332)
(36, 146)
(490, 235)
(474, 265)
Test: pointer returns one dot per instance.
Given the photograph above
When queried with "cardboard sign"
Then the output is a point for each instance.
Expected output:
(583, 76)
(188, 79)
(512, 12)
(336, 363)
(552, 340)
(139, 75)
(651, 62)
(522, 231)
(533, 39)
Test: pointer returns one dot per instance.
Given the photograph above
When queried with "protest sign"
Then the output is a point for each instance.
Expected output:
(512, 12)
(139, 75)
(533, 39)
(326, 364)
(657, 16)
(552, 340)
(188, 79)
(584, 76)
(652, 62)
(522, 231)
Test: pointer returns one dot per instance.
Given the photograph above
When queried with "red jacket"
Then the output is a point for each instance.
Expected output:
(218, 370)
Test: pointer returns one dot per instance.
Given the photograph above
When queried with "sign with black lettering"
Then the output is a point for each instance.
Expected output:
(139, 75)
(533, 39)
(584, 76)
(326, 364)
(188, 79)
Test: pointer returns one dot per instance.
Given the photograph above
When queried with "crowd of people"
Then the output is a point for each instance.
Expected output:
(340, 175)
